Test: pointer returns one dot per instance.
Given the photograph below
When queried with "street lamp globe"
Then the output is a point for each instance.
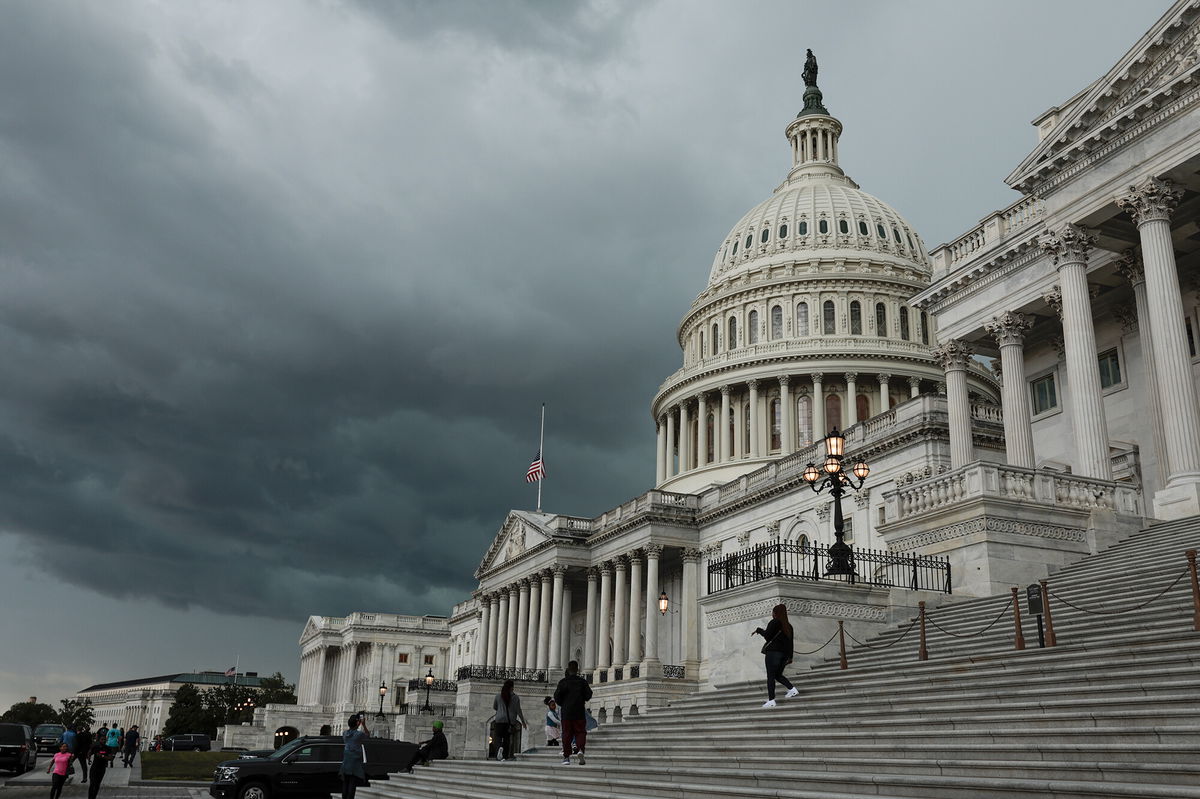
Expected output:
(833, 465)
(663, 603)
(429, 678)
(861, 470)
(811, 474)
(383, 689)
(835, 443)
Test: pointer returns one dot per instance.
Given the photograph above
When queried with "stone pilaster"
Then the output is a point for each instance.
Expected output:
(1130, 268)
(1009, 331)
(954, 356)
(689, 609)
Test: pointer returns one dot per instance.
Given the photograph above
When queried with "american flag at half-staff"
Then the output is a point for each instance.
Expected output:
(537, 470)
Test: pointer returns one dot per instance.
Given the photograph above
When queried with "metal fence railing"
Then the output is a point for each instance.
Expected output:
(794, 561)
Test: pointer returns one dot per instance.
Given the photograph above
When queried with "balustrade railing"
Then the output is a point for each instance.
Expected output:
(418, 708)
(811, 561)
(673, 672)
(436, 685)
(500, 673)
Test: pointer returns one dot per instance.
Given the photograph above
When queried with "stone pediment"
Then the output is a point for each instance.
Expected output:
(310, 629)
(521, 531)
(1161, 64)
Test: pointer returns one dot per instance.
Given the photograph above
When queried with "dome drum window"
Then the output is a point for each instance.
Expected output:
(878, 229)
(862, 229)
(752, 328)
(802, 319)
(855, 318)
(823, 226)
(843, 226)
(802, 229)
(766, 234)
(829, 318)
(881, 320)
(783, 231)
(749, 241)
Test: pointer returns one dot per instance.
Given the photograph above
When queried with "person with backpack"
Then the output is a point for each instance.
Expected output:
(99, 753)
(777, 652)
(112, 742)
(508, 714)
(571, 695)
(83, 746)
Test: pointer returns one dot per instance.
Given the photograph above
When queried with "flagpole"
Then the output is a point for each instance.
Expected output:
(541, 454)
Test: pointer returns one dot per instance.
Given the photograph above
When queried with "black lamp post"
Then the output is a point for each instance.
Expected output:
(836, 480)
(428, 708)
(382, 694)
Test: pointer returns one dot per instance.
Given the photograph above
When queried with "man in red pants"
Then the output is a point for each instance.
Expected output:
(572, 694)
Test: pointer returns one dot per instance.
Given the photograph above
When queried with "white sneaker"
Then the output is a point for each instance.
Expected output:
(792, 692)
(500, 755)
(769, 703)
(566, 761)
(582, 759)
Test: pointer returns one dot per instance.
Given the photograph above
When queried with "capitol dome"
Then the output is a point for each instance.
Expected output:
(804, 324)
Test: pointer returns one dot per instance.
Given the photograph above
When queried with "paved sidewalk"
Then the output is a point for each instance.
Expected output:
(115, 777)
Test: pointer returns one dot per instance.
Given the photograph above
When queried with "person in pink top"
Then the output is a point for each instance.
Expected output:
(59, 769)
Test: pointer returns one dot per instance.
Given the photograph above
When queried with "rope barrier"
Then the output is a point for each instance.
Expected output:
(912, 624)
(1153, 599)
(991, 624)
(818, 649)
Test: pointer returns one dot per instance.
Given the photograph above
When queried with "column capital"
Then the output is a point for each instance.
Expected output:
(1053, 298)
(953, 355)
(753, 384)
(514, 588)
(620, 564)
(1153, 199)
(1126, 314)
(1008, 328)
(851, 377)
(593, 574)
(605, 568)
(725, 391)
(1069, 244)
(546, 576)
(523, 583)
(635, 557)
(884, 377)
(914, 382)
(652, 550)
(559, 569)
(818, 377)
(674, 409)
(690, 555)
(785, 380)
(1129, 266)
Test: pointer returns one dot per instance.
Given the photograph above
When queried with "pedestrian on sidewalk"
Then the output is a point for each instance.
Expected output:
(553, 722)
(508, 715)
(352, 772)
(112, 743)
(777, 652)
(59, 769)
(132, 739)
(96, 773)
(83, 745)
(436, 748)
(571, 695)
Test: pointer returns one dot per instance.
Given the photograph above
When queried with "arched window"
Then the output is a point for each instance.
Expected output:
(766, 234)
(711, 428)
(829, 318)
(802, 319)
(735, 244)
(881, 320)
(904, 323)
(776, 321)
(746, 426)
(702, 351)
(752, 328)
(802, 229)
(748, 242)
(878, 229)
(924, 328)
(716, 337)
(862, 228)
(783, 231)
(776, 425)
(804, 435)
(863, 404)
(823, 226)
(833, 411)
(855, 318)
(843, 226)
(896, 235)
(908, 236)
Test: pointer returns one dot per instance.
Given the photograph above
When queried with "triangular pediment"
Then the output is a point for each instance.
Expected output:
(521, 531)
(1161, 61)
(311, 628)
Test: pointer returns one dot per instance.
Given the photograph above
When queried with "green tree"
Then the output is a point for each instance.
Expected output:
(188, 714)
(76, 712)
(276, 690)
(31, 713)
(230, 704)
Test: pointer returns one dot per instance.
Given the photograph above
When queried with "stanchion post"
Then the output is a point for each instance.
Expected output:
(1050, 638)
(842, 643)
(922, 652)
(1191, 557)
(1019, 641)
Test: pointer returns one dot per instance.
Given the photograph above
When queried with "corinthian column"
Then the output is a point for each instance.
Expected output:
(634, 654)
(504, 647)
(701, 430)
(1130, 268)
(651, 664)
(953, 357)
(660, 450)
(522, 623)
(603, 658)
(620, 616)
(1151, 203)
(885, 394)
(852, 397)
(535, 608)
(754, 427)
(787, 438)
(485, 621)
(670, 465)
(493, 630)
(723, 425)
(556, 619)
(818, 405)
(1069, 246)
(1009, 331)
(543, 649)
(589, 624)
(685, 439)
(689, 609)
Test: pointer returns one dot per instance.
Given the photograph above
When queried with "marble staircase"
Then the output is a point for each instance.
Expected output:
(1112, 711)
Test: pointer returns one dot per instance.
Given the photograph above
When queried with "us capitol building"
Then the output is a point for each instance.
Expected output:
(1020, 396)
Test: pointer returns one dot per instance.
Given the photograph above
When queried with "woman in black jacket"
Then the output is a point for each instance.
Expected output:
(778, 652)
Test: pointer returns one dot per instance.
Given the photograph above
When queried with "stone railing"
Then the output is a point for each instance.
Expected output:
(992, 229)
(987, 412)
(915, 496)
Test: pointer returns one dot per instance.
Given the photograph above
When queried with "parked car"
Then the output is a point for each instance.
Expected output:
(305, 766)
(46, 736)
(18, 750)
(191, 742)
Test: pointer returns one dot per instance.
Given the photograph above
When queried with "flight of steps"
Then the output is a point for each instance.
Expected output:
(1112, 711)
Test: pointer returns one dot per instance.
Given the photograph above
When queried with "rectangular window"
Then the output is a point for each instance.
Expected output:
(429, 660)
(403, 657)
(1110, 369)
(1044, 395)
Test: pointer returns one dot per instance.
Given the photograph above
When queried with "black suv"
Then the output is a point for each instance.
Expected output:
(47, 735)
(305, 766)
(18, 752)
(189, 743)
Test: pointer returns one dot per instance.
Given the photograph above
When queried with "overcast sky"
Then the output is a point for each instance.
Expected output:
(283, 284)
